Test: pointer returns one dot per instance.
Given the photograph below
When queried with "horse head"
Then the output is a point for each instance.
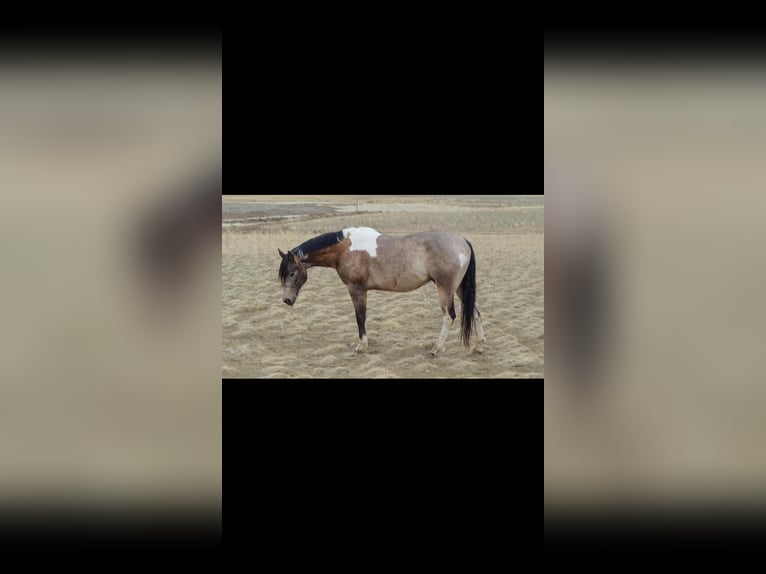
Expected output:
(292, 275)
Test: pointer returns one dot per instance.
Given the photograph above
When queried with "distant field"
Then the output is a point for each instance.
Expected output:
(398, 199)
(262, 337)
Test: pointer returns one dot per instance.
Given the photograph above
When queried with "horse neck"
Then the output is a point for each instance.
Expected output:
(324, 258)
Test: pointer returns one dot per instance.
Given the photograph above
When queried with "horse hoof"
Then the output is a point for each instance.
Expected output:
(360, 349)
(479, 347)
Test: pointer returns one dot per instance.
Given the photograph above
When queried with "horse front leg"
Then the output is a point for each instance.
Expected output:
(359, 298)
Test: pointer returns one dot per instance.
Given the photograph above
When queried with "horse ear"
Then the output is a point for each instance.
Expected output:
(293, 259)
(280, 253)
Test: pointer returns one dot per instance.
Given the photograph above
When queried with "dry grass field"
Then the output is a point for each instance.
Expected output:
(264, 338)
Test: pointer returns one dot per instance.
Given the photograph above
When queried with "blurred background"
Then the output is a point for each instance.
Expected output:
(654, 178)
(110, 182)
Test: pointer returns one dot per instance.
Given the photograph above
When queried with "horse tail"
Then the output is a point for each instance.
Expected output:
(468, 289)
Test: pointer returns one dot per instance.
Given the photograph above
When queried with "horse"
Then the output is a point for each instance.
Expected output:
(366, 259)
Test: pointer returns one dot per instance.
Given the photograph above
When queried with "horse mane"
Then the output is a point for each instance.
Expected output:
(318, 243)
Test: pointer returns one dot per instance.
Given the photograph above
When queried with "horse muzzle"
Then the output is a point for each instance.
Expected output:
(289, 302)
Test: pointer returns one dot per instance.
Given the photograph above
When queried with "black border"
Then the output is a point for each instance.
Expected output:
(379, 462)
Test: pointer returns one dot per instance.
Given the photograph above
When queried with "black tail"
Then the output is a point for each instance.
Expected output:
(468, 289)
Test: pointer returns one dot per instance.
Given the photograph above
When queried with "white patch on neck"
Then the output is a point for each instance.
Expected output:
(463, 259)
(362, 239)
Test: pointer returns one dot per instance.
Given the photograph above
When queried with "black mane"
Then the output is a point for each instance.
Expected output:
(318, 243)
(311, 246)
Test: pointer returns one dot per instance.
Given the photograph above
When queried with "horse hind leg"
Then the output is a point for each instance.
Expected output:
(447, 303)
(480, 336)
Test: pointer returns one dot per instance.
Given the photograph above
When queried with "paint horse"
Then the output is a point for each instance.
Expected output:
(366, 259)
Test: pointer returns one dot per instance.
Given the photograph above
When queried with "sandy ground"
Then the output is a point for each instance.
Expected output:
(264, 338)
